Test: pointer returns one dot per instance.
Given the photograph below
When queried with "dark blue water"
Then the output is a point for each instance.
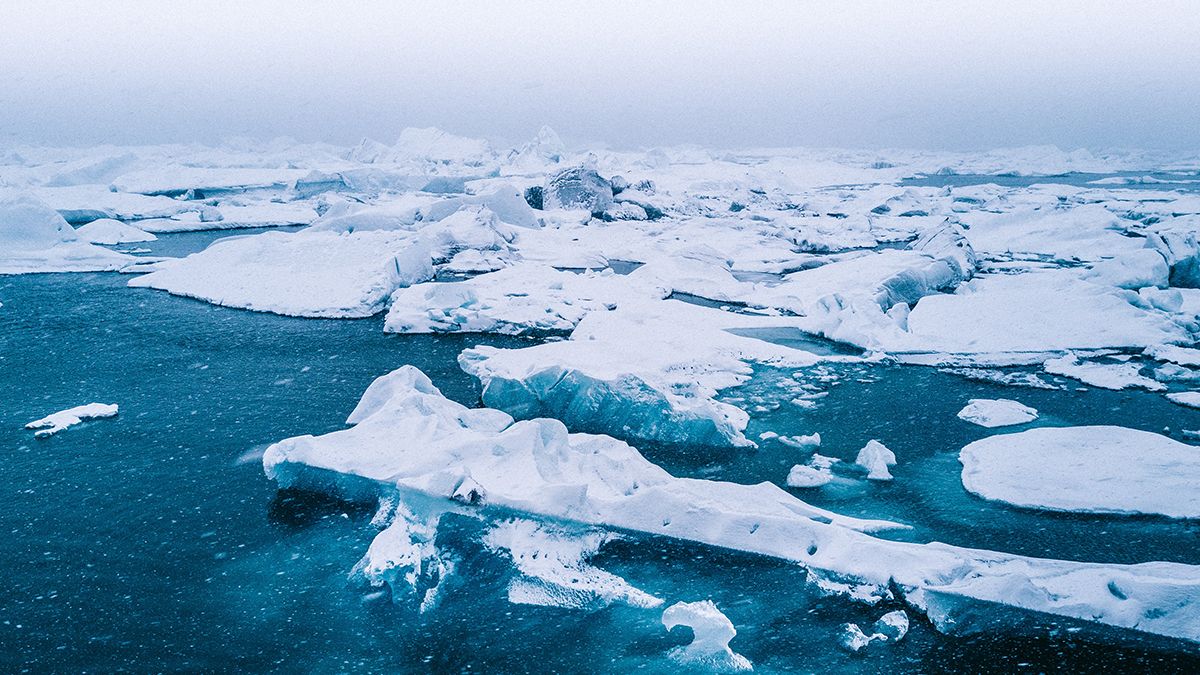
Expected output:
(153, 542)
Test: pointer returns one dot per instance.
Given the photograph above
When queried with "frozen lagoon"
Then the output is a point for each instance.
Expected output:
(157, 539)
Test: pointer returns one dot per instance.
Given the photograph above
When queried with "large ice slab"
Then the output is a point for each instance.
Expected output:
(1100, 469)
(650, 369)
(408, 441)
(315, 274)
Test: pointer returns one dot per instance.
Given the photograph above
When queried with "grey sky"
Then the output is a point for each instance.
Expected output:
(953, 75)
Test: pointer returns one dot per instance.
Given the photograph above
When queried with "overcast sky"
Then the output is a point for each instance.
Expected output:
(939, 75)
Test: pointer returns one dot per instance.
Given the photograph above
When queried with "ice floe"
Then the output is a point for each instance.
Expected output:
(65, 419)
(1097, 469)
(875, 457)
(1000, 412)
(410, 443)
(1105, 375)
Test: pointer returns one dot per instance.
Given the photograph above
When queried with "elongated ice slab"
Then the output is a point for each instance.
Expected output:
(409, 441)
(64, 419)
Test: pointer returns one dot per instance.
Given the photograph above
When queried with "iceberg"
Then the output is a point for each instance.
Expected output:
(408, 442)
(1097, 469)
(64, 419)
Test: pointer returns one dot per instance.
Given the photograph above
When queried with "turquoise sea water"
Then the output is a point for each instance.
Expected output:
(153, 542)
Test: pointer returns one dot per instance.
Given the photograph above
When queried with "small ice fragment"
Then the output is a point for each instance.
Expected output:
(876, 458)
(809, 441)
(999, 412)
(852, 638)
(52, 424)
(893, 625)
(712, 632)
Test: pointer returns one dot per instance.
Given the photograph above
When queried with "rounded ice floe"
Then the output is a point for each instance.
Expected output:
(875, 457)
(109, 232)
(998, 412)
(802, 476)
(35, 238)
(1095, 469)
(712, 631)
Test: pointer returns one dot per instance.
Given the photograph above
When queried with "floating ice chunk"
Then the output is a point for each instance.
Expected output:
(1184, 356)
(712, 630)
(852, 638)
(315, 274)
(1000, 412)
(1032, 312)
(405, 558)
(1190, 399)
(111, 232)
(1012, 379)
(408, 439)
(809, 441)
(650, 369)
(891, 627)
(802, 476)
(894, 625)
(1105, 375)
(554, 567)
(876, 458)
(35, 238)
(522, 298)
(1083, 232)
(1097, 469)
(52, 424)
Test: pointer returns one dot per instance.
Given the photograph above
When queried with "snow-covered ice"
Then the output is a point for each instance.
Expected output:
(409, 442)
(1105, 375)
(999, 412)
(35, 238)
(64, 419)
(111, 232)
(1097, 469)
